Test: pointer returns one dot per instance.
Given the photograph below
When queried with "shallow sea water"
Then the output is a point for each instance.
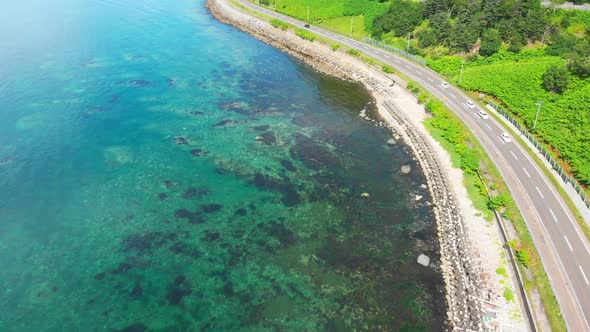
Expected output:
(160, 171)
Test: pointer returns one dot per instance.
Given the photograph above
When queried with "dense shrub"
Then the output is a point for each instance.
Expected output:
(304, 34)
(279, 24)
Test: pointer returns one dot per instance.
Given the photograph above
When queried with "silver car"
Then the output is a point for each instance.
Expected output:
(483, 114)
(506, 138)
(470, 104)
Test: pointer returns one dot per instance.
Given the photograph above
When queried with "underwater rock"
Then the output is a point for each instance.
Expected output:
(138, 327)
(195, 113)
(261, 128)
(406, 169)
(162, 196)
(100, 275)
(268, 138)
(167, 183)
(418, 197)
(170, 82)
(140, 83)
(180, 140)
(198, 152)
(225, 123)
(423, 260)
(391, 142)
(365, 195)
(114, 99)
(210, 208)
(288, 165)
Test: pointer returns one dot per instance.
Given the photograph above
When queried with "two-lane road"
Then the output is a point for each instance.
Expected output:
(564, 250)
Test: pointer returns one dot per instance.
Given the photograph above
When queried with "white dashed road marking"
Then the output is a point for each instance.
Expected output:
(430, 79)
(489, 127)
(452, 95)
(540, 193)
(553, 215)
(583, 275)
(568, 243)
(527, 173)
(419, 73)
(513, 155)
(396, 60)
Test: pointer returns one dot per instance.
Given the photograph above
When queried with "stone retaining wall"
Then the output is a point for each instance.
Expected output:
(464, 290)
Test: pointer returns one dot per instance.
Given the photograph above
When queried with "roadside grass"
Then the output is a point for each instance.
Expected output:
(510, 210)
(342, 25)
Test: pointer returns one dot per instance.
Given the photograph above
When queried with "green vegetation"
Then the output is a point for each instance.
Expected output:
(555, 79)
(387, 69)
(335, 47)
(304, 34)
(353, 52)
(279, 24)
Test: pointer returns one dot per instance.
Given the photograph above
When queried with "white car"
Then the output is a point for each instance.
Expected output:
(483, 115)
(444, 84)
(506, 138)
(470, 104)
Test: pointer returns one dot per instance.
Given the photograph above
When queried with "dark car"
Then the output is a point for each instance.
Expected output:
(306, 25)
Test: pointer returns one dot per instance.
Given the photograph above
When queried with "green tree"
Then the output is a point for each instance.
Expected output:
(555, 79)
(426, 38)
(579, 66)
(490, 43)
(401, 18)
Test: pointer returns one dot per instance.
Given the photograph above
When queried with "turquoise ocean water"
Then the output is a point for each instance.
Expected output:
(160, 171)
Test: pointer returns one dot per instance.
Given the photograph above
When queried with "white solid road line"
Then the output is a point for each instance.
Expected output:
(527, 173)
(568, 243)
(512, 153)
(554, 217)
(583, 275)
(540, 193)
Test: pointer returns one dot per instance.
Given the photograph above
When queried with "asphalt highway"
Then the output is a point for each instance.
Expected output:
(564, 250)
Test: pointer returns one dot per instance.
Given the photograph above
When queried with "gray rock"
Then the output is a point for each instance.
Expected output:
(423, 260)
(391, 141)
(406, 169)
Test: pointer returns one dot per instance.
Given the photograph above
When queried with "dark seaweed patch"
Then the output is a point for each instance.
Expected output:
(170, 82)
(196, 113)
(192, 217)
(175, 295)
(225, 123)
(210, 208)
(147, 241)
(288, 165)
(185, 249)
(122, 268)
(100, 275)
(138, 327)
(179, 280)
(313, 155)
(162, 196)
(284, 186)
(261, 128)
(241, 212)
(137, 290)
(210, 236)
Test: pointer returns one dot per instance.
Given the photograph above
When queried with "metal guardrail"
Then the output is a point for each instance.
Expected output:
(562, 173)
(405, 54)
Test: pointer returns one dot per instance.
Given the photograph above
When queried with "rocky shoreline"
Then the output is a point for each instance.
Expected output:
(461, 273)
